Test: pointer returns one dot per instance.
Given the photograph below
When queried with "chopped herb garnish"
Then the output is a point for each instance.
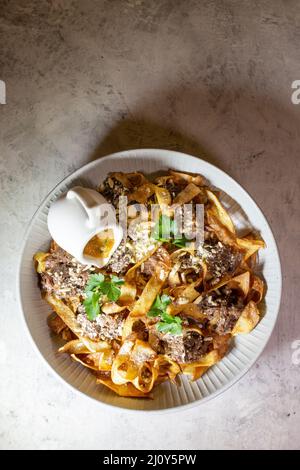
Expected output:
(160, 305)
(180, 242)
(166, 230)
(94, 281)
(168, 323)
(92, 305)
(98, 289)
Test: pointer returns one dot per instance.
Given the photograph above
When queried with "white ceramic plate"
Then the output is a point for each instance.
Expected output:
(167, 396)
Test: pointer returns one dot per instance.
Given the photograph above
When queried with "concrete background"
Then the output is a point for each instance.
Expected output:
(212, 78)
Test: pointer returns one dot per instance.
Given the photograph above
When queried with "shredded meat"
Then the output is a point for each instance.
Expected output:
(104, 327)
(112, 189)
(64, 276)
(195, 346)
(188, 261)
(173, 187)
(156, 340)
(188, 347)
(158, 260)
(140, 329)
(222, 308)
(221, 259)
(121, 259)
(223, 318)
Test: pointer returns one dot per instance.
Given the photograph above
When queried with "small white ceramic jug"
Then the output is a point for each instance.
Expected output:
(84, 224)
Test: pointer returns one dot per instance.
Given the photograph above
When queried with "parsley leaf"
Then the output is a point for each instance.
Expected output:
(165, 300)
(168, 323)
(180, 242)
(91, 305)
(163, 228)
(96, 288)
(154, 312)
(173, 328)
(111, 290)
(159, 306)
(93, 282)
(166, 230)
(116, 280)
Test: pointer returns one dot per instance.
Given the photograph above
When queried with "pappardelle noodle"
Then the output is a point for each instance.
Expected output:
(160, 307)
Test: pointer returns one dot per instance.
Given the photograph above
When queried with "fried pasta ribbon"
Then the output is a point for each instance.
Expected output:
(162, 306)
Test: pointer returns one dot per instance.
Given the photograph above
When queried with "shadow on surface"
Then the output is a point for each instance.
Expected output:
(246, 134)
(130, 134)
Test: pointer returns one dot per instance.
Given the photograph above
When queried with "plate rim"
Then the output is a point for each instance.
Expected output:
(133, 153)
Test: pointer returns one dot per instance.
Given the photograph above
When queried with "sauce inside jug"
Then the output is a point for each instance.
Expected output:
(100, 245)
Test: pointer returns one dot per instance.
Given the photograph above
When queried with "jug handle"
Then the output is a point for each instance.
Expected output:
(91, 205)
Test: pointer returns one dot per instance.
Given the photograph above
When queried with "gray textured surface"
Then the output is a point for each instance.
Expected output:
(213, 78)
